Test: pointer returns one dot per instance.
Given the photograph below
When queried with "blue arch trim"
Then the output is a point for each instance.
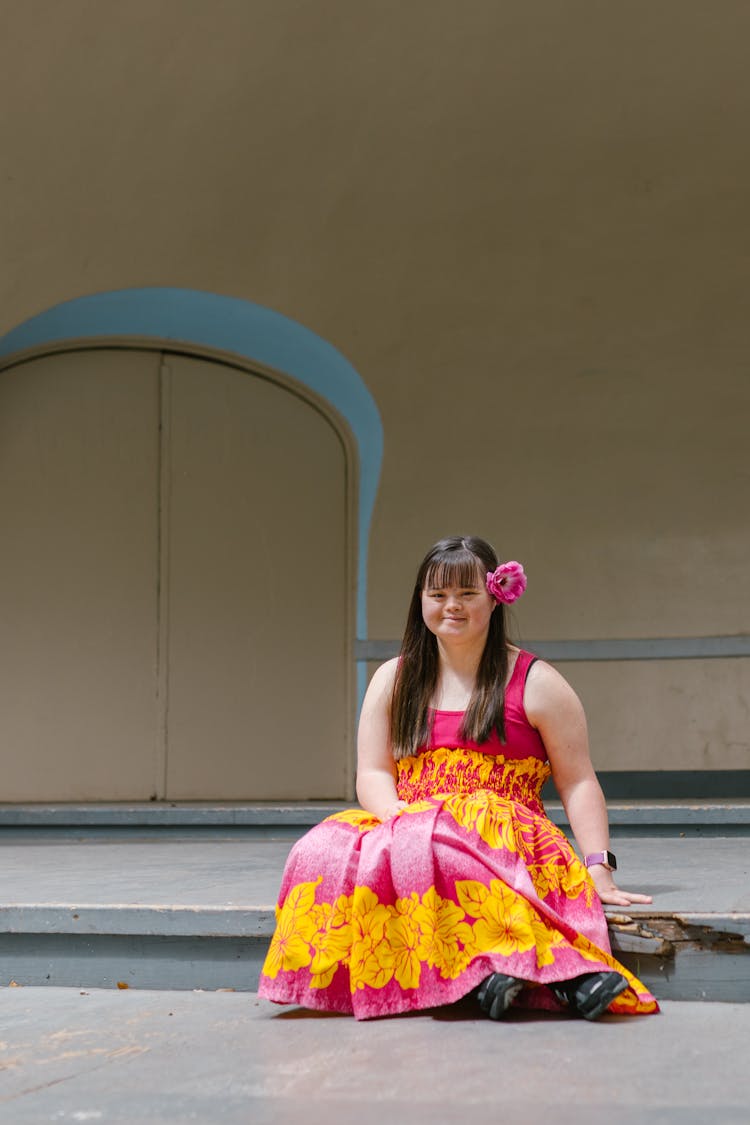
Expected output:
(247, 330)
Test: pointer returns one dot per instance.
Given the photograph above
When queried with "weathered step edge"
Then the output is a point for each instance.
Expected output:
(138, 920)
(680, 956)
(656, 933)
(693, 957)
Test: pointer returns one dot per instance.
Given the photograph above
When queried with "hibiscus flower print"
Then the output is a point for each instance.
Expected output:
(503, 917)
(371, 961)
(295, 927)
(444, 934)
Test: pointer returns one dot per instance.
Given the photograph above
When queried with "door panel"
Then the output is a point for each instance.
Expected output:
(257, 663)
(78, 567)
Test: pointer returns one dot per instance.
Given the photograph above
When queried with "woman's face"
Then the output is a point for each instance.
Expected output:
(458, 614)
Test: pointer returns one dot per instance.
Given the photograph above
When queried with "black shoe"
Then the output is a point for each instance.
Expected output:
(496, 994)
(591, 994)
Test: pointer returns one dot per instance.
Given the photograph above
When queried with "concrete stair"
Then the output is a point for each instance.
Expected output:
(181, 896)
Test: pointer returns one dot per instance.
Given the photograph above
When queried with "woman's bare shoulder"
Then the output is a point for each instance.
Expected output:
(547, 689)
(542, 672)
(384, 677)
(379, 694)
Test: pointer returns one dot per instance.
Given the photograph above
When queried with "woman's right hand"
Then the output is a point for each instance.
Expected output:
(393, 810)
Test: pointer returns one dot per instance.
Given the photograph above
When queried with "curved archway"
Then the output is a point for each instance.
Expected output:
(236, 335)
(228, 326)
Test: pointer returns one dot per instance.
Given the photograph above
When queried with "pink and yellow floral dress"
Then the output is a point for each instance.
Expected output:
(470, 878)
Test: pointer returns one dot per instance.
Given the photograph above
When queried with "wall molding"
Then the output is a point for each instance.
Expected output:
(644, 648)
(699, 786)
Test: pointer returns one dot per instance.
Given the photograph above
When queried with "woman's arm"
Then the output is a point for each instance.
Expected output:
(376, 769)
(556, 711)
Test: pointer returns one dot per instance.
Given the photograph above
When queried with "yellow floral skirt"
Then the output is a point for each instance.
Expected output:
(378, 918)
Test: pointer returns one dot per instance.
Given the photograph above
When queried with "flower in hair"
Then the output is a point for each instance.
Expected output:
(506, 583)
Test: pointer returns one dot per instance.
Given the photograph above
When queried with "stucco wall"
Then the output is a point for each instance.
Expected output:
(525, 225)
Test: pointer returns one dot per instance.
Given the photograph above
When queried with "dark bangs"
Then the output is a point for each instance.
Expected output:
(453, 568)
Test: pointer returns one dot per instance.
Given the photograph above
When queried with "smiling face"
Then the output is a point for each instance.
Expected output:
(457, 608)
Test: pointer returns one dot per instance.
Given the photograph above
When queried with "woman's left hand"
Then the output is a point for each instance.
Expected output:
(609, 892)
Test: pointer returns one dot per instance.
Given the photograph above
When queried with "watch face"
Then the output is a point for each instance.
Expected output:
(611, 861)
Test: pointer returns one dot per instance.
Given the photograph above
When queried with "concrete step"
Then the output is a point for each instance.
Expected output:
(629, 818)
(193, 908)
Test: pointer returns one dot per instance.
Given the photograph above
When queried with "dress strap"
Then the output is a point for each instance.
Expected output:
(517, 683)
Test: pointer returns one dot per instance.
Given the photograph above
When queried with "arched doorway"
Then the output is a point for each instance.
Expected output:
(177, 577)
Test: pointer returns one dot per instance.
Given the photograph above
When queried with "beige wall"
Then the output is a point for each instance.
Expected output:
(665, 715)
(525, 225)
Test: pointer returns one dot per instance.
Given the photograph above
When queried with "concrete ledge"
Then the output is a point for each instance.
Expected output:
(158, 814)
(131, 961)
(641, 932)
(687, 971)
(731, 815)
(190, 913)
(125, 919)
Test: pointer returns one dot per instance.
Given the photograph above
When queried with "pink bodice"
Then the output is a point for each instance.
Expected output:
(523, 740)
(450, 764)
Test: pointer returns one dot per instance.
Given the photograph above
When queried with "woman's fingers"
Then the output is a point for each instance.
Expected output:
(617, 897)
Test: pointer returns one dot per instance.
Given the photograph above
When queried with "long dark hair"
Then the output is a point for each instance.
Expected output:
(451, 562)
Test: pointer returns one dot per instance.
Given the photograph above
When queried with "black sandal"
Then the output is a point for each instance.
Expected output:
(496, 994)
(590, 994)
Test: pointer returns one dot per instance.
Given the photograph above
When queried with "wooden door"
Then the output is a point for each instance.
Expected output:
(78, 565)
(174, 598)
(257, 692)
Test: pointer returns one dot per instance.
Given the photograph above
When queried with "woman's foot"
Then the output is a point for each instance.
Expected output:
(590, 994)
(496, 994)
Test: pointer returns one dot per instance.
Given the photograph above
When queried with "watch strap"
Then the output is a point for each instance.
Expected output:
(607, 859)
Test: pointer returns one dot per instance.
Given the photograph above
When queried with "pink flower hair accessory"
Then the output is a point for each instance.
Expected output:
(506, 583)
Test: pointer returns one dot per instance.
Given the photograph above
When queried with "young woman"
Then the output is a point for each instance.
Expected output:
(452, 880)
